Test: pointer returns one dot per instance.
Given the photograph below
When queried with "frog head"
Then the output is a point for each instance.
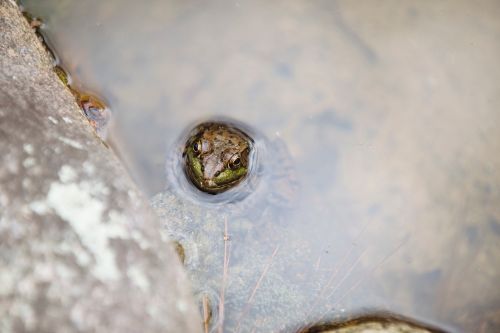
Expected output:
(216, 156)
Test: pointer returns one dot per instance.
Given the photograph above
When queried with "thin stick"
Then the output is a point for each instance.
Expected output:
(257, 285)
(317, 299)
(224, 278)
(206, 313)
(347, 274)
(364, 277)
(334, 274)
(316, 268)
(344, 260)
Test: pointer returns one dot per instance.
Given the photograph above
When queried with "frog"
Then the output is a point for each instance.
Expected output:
(216, 156)
(228, 195)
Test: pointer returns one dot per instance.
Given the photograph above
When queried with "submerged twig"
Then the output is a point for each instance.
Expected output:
(364, 277)
(347, 274)
(206, 313)
(336, 271)
(316, 267)
(257, 285)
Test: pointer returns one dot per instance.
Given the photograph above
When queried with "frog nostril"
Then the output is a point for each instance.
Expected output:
(217, 174)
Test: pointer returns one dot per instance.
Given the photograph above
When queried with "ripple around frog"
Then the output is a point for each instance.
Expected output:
(263, 171)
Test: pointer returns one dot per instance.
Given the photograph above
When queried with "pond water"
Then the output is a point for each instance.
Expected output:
(389, 113)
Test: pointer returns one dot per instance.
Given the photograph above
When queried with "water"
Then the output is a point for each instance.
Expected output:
(390, 114)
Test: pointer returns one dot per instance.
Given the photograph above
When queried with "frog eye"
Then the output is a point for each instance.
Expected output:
(235, 161)
(197, 147)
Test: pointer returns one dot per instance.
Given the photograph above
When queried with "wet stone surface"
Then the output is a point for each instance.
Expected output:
(79, 246)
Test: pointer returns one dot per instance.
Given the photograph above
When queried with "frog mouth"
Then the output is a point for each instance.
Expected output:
(212, 187)
(209, 185)
(224, 180)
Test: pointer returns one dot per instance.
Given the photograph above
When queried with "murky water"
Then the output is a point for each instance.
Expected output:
(390, 114)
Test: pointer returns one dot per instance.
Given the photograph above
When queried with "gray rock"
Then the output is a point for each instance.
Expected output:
(378, 327)
(80, 250)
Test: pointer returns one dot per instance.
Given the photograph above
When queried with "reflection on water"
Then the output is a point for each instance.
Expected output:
(389, 111)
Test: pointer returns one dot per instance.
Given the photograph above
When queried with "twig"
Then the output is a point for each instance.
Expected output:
(316, 268)
(335, 272)
(257, 285)
(364, 277)
(344, 260)
(347, 274)
(323, 290)
(206, 313)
